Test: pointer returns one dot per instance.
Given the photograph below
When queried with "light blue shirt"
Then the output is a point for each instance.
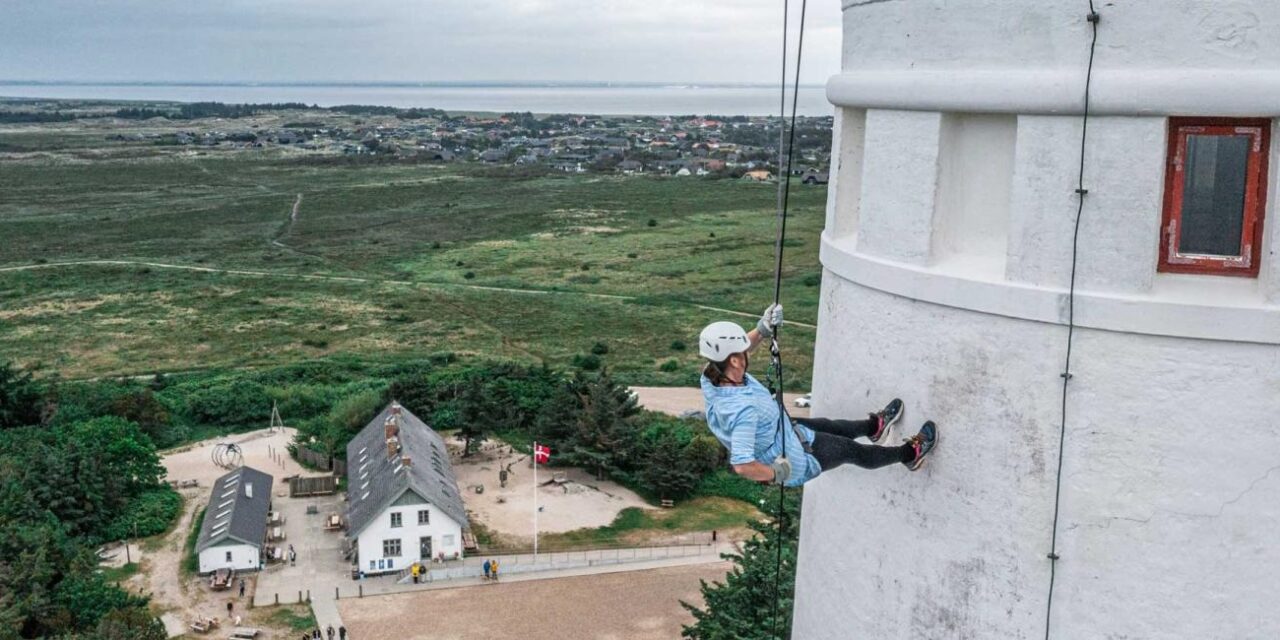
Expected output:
(745, 420)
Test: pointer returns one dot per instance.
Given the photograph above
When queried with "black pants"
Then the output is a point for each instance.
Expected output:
(833, 444)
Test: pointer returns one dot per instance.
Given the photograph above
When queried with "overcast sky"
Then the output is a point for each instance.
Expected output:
(409, 40)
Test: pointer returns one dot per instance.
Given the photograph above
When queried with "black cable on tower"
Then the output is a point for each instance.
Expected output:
(1094, 18)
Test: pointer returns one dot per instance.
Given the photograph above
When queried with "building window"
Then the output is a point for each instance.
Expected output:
(424, 516)
(396, 520)
(391, 548)
(448, 541)
(228, 556)
(1215, 196)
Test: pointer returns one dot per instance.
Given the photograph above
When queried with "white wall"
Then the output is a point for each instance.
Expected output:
(369, 541)
(243, 557)
(955, 300)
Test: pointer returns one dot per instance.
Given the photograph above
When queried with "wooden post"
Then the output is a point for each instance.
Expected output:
(335, 594)
(361, 591)
(277, 598)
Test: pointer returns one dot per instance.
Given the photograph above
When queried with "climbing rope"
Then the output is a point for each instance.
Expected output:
(1094, 18)
(786, 146)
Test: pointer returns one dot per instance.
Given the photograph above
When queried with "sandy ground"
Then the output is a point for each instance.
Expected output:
(581, 502)
(637, 605)
(677, 400)
(185, 599)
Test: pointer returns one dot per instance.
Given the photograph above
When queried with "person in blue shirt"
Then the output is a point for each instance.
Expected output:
(743, 415)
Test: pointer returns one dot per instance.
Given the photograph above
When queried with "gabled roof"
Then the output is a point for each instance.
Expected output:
(232, 514)
(375, 480)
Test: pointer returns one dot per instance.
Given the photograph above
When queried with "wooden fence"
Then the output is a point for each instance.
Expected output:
(318, 486)
(321, 461)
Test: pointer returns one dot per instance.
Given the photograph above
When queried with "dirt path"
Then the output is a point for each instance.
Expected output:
(369, 280)
(677, 400)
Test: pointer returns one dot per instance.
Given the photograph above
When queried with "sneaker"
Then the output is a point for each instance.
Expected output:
(887, 416)
(923, 443)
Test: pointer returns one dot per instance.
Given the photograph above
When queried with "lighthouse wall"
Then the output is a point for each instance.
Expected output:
(947, 257)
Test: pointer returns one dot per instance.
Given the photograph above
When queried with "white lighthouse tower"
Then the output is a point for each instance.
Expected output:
(948, 256)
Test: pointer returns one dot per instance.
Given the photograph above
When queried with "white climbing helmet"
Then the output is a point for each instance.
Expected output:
(721, 340)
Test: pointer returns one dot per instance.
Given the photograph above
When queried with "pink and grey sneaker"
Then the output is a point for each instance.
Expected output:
(885, 419)
(923, 443)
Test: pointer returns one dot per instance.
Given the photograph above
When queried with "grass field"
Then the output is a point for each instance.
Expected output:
(414, 259)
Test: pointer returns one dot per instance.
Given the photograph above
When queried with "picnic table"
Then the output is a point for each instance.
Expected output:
(204, 625)
(276, 533)
(245, 632)
(333, 522)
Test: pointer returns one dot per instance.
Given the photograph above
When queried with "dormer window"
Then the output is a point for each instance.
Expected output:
(1215, 196)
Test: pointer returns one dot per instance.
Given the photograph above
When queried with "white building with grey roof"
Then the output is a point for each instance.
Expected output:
(235, 522)
(403, 499)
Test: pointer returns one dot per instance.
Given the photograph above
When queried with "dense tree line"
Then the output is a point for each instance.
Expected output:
(66, 486)
(588, 419)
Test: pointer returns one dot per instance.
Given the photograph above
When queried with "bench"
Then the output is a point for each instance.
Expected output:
(245, 632)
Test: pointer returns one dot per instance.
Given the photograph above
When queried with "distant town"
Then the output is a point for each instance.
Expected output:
(690, 145)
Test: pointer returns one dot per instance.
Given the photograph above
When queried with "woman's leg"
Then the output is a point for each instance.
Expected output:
(843, 428)
(832, 450)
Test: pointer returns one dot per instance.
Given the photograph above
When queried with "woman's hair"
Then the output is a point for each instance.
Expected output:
(714, 371)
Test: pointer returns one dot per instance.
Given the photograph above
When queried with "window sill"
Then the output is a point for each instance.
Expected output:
(1184, 306)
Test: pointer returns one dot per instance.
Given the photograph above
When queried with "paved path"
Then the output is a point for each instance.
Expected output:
(637, 605)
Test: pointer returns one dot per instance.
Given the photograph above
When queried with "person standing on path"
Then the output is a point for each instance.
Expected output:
(494, 568)
(329, 632)
(342, 632)
(228, 609)
(241, 587)
(486, 569)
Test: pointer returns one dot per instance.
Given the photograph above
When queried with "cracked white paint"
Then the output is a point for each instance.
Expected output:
(1171, 465)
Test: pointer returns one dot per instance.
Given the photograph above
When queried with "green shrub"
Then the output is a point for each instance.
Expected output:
(670, 366)
(238, 402)
(600, 348)
(149, 514)
(678, 345)
(191, 559)
(470, 275)
(727, 484)
(812, 280)
(652, 222)
(586, 361)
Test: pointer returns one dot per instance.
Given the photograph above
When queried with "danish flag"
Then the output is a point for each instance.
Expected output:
(541, 453)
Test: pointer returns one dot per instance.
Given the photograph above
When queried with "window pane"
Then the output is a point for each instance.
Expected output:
(1214, 176)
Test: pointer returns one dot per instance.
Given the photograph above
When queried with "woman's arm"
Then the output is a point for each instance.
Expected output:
(756, 470)
(771, 318)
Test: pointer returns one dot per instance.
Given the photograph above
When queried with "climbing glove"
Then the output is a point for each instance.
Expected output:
(781, 470)
(771, 318)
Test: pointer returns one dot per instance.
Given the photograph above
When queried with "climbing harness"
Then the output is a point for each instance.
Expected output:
(786, 144)
(1094, 18)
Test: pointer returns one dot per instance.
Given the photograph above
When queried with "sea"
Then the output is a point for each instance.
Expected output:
(601, 99)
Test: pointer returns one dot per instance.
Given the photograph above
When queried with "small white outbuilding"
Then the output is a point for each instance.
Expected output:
(235, 522)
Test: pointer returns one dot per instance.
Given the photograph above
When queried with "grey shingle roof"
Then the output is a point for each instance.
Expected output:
(234, 515)
(375, 480)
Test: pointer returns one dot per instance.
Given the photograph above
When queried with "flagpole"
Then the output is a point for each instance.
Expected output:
(535, 502)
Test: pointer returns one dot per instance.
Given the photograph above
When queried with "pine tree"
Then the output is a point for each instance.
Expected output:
(743, 606)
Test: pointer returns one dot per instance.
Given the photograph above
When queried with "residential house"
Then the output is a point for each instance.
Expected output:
(403, 500)
(235, 522)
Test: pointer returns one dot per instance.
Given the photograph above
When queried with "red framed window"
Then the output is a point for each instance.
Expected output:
(1215, 196)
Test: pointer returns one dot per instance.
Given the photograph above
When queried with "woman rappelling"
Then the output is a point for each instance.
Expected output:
(764, 444)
